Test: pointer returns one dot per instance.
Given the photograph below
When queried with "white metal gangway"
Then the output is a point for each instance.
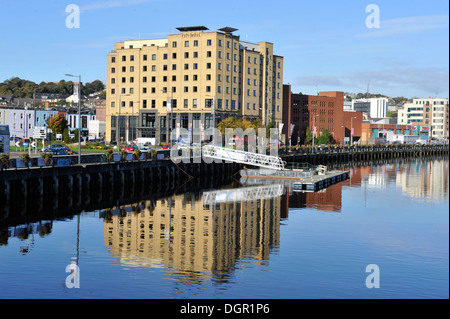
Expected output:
(243, 194)
(238, 156)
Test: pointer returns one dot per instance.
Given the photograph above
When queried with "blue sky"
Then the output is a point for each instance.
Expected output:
(325, 44)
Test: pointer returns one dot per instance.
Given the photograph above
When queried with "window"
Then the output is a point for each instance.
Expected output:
(208, 42)
(174, 67)
(131, 57)
(194, 103)
(195, 43)
(174, 44)
(144, 68)
(113, 59)
(131, 68)
(186, 55)
(174, 55)
(164, 56)
(124, 58)
(144, 57)
(186, 44)
(208, 66)
(185, 103)
(113, 70)
(144, 104)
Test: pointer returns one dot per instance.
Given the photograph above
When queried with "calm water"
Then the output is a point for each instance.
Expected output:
(248, 241)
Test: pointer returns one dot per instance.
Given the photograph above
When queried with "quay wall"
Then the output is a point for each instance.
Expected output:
(87, 186)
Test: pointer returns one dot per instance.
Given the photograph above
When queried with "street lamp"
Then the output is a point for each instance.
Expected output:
(79, 114)
(351, 132)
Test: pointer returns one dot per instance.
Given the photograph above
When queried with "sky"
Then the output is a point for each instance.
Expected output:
(326, 45)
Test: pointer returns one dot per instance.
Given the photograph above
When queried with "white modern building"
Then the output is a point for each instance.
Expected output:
(373, 107)
(432, 112)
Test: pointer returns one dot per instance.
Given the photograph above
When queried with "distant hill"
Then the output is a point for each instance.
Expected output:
(21, 88)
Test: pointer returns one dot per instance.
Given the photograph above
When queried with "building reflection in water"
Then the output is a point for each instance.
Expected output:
(419, 178)
(196, 237)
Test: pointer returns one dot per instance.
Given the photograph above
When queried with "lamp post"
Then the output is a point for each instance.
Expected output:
(351, 132)
(79, 114)
(343, 136)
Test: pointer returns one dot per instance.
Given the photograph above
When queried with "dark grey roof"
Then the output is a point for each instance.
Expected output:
(197, 28)
(7, 97)
(51, 96)
(228, 29)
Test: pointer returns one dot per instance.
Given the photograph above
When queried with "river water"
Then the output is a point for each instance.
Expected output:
(384, 233)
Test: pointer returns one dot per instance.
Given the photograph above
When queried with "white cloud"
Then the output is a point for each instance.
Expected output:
(400, 80)
(408, 25)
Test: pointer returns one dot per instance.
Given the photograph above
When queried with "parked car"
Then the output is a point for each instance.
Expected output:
(146, 148)
(130, 148)
(58, 149)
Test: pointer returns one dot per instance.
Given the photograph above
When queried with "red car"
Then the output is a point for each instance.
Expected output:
(130, 148)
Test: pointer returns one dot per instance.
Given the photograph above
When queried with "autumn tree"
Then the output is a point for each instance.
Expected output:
(57, 124)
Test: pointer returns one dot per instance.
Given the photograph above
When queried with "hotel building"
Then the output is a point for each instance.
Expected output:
(190, 80)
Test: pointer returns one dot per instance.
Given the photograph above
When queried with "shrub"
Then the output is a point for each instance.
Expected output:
(109, 155)
(4, 160)
(47, 158)
(25, 157)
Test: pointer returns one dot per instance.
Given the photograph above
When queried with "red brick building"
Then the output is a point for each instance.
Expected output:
(353, 120)
(324, 111)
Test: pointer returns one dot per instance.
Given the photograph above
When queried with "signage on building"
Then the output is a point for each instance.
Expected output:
(425, 129)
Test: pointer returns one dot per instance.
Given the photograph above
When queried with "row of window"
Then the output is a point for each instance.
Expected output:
(196, 55)
(195, 66)
(194, 103)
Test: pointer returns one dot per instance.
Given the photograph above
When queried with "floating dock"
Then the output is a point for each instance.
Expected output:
(318, 182)
(306, 179)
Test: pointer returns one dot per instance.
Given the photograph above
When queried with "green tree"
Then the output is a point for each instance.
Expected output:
(308, 136)
(66, 135)
(57, 124)
(325, 138)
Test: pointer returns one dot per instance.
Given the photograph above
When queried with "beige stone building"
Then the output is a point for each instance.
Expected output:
(190, 80)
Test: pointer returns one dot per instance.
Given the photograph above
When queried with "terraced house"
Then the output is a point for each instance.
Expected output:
(190, 80)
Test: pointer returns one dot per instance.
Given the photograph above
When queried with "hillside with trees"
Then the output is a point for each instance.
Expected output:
(21, 88)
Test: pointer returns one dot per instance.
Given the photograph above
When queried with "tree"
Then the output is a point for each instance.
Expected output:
(66, 135)
(308, 136)
(325, 137)
(57, 124)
